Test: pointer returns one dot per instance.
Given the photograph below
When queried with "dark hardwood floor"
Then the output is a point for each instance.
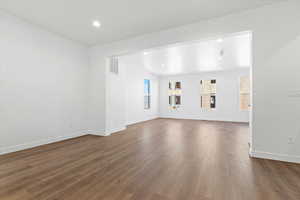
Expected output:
(161, 159)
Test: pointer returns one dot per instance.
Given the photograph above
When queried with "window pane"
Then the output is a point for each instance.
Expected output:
(244, 101)
(146, 87)
(146, 102)
(213, 88)
(147, 94)
(170, 100)
(244, 93)
(213, 101)
(178, 100)
(174, 94)
(245, 84)
(206, 101)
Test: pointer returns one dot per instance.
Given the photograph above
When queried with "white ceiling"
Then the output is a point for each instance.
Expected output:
(120, 19)
(219, 54)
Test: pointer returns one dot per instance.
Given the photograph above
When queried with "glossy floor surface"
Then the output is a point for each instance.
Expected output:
(162, 159)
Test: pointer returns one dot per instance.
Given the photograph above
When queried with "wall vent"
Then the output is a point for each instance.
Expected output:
(114, 65)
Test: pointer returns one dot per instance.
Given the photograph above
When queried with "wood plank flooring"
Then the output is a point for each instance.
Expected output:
(162, 159)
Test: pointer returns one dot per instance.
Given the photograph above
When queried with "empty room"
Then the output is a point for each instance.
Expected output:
(149, 100)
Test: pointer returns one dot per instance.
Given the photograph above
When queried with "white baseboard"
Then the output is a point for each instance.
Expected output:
(114, 130)
(98, 133)
(106, 132)
(273, 156)
(204, 119)
(19, 147)
(141, 120)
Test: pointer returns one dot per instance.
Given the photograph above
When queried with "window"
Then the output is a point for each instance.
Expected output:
(174, 94)
(244, 93)
(147, 96)
(177, 100)
(208, 92)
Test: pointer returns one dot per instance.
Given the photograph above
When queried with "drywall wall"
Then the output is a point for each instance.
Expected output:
(125, 94)
(43, 86)
(97, 88)
(276, 38)
(116, 100)
(227, 102)
(135, 73)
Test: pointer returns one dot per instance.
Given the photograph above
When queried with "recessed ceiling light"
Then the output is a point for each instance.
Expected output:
(220, 40)
(146, 53)
(96, 24)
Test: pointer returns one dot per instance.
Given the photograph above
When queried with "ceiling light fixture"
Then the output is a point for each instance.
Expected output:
(220, 40)
(96, 24)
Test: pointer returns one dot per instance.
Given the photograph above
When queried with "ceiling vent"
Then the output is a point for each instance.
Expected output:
(222, 52)
(114, 65)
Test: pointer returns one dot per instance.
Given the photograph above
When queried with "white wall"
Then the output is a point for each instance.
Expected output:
(276, 40)
(125, 95)
(135, 73)
(97, 87)
(227, 102)
(43, 86)
(116, 101)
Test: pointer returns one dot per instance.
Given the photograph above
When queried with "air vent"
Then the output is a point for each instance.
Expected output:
(114, 65)
(222, 53)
